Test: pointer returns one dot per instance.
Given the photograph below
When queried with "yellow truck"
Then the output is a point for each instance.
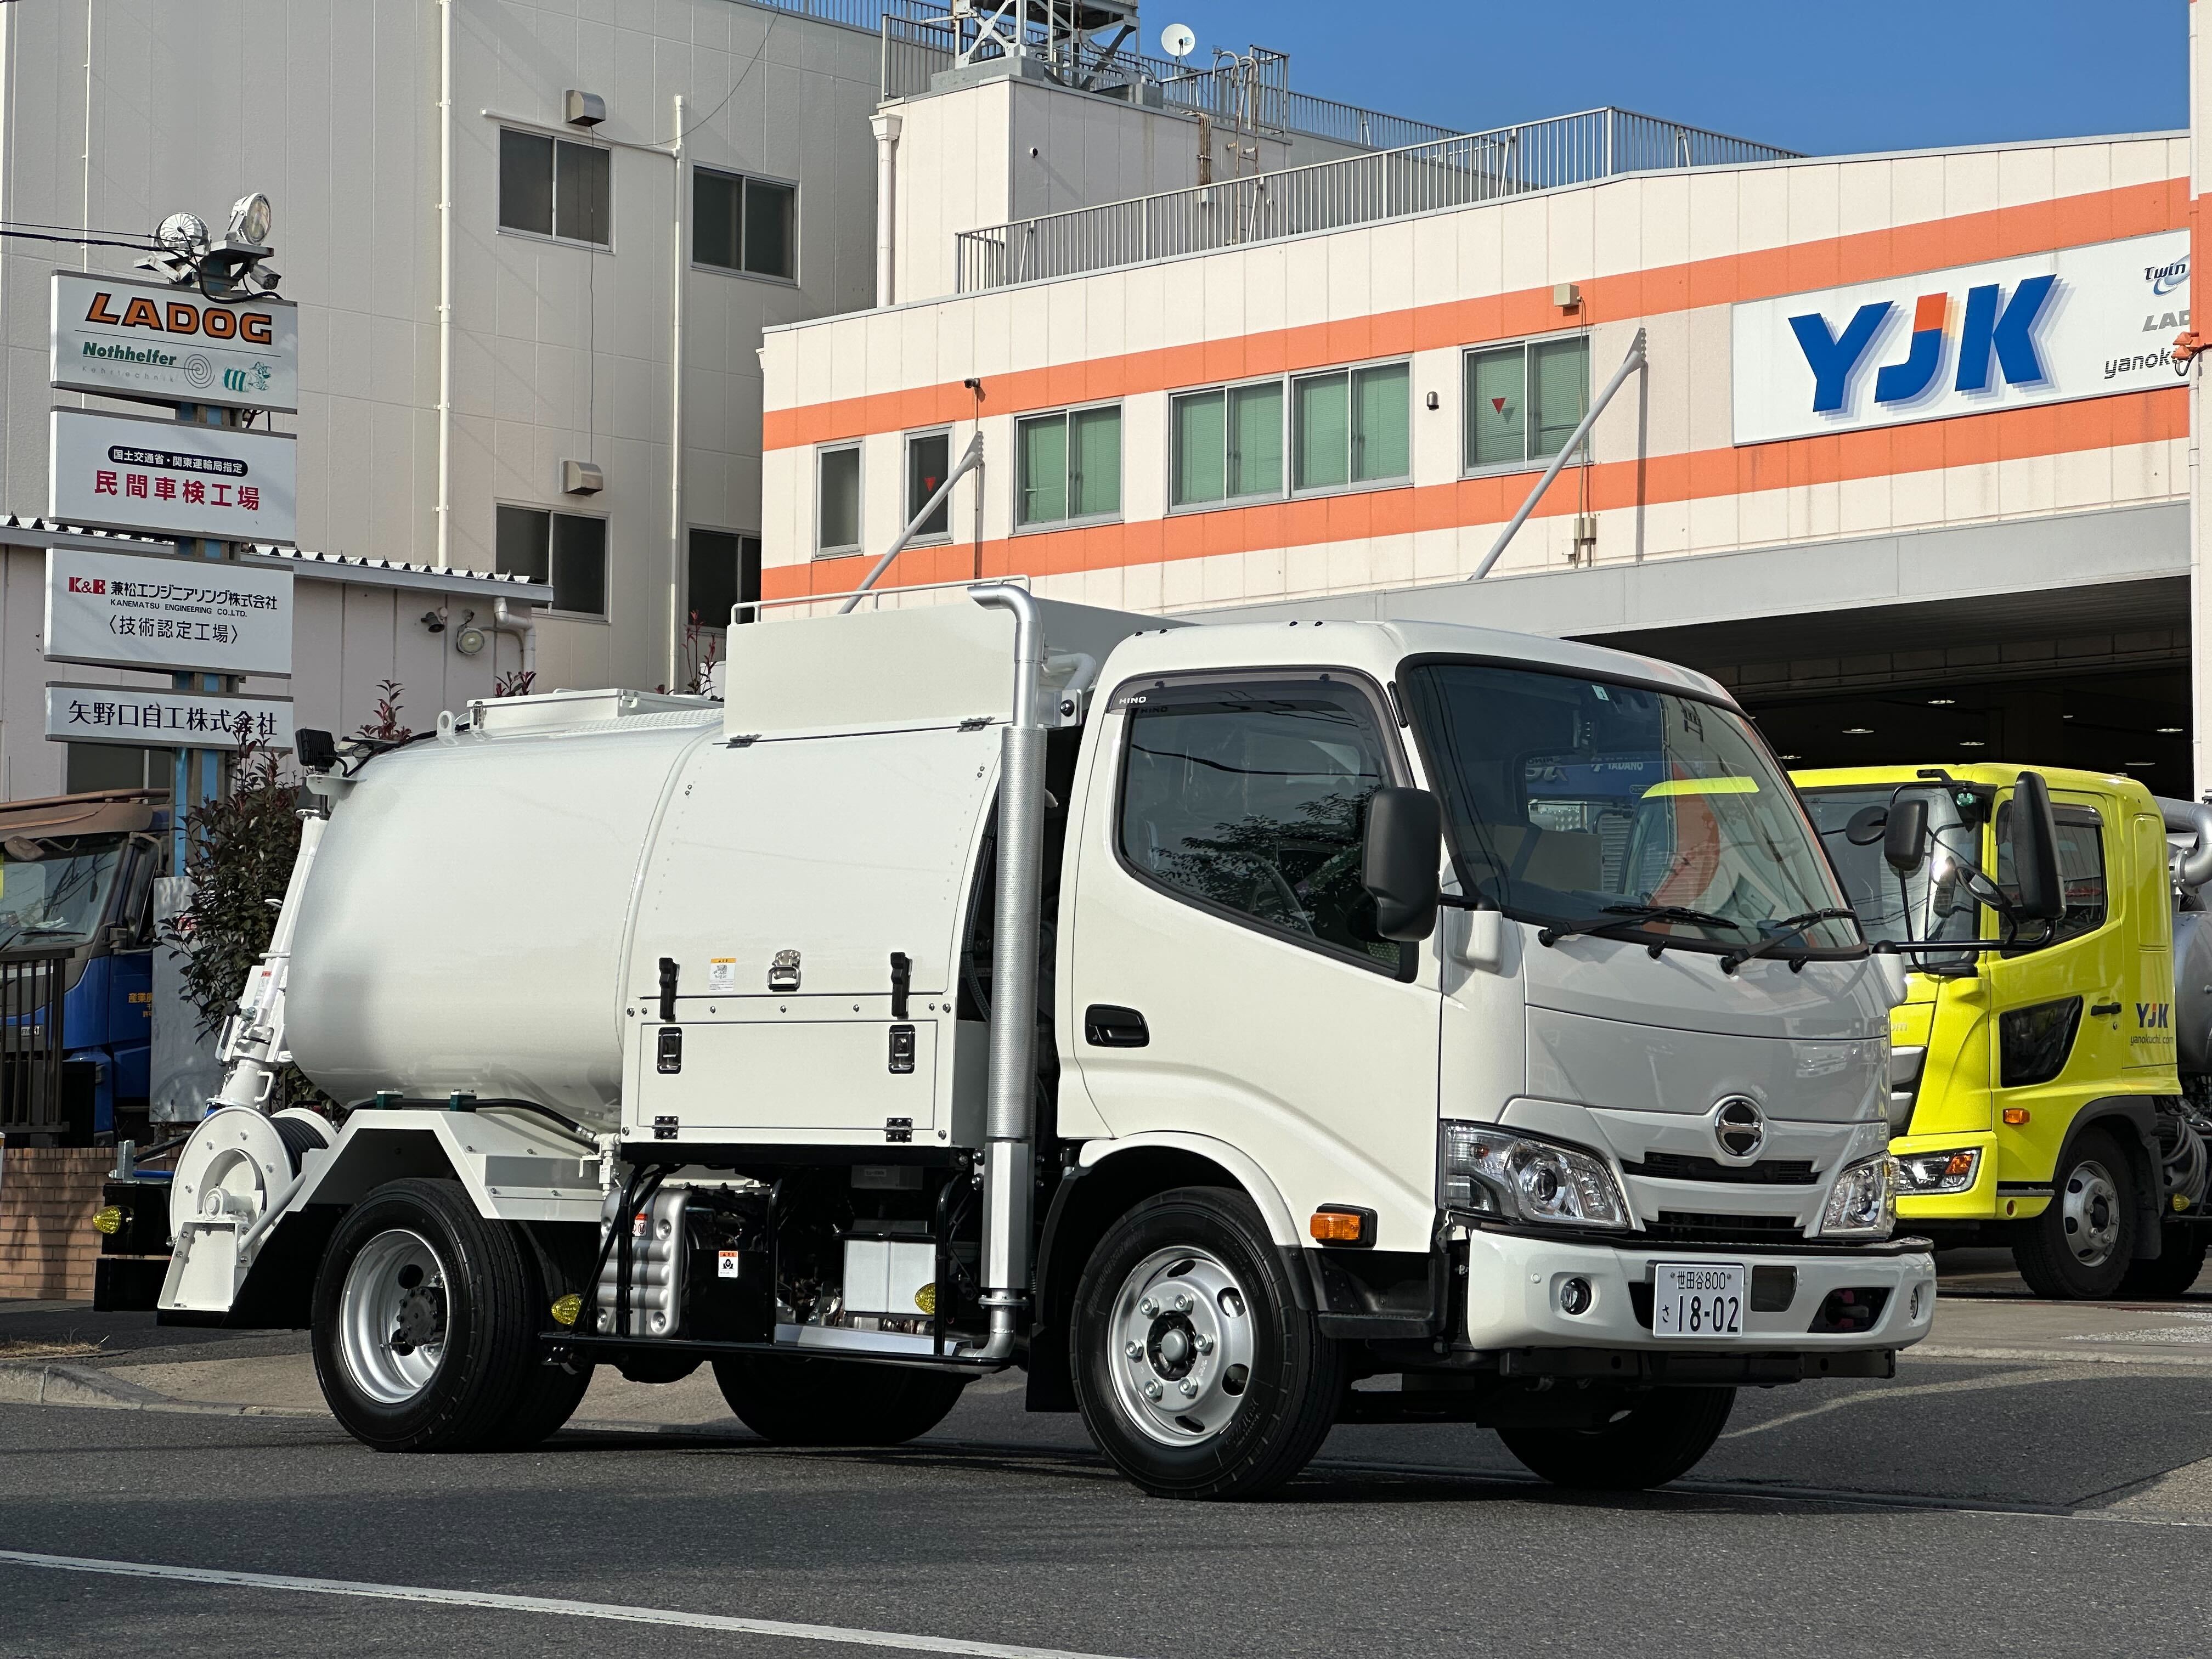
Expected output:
(2051, 1067)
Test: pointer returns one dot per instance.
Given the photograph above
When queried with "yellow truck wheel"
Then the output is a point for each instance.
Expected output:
(2169, 1278)
(2081, 1246)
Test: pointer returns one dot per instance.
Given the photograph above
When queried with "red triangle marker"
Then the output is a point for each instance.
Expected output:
(1497, 404)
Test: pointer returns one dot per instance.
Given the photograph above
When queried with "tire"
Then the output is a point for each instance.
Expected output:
(2083, 1243)
(1188, 1289)
(415, 1257)
(1660, 1437)
(550, 1397)
(2179, 1265)
(835, 1403)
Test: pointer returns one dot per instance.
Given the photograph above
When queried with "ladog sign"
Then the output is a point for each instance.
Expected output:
(171, 478)
(2083, 322)
(125, 339)
(137, 611)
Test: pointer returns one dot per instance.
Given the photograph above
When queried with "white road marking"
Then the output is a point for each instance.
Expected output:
(541, 1604)
(1957, 1385)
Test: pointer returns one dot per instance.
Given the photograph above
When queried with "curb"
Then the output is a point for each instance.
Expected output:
(29, 1382)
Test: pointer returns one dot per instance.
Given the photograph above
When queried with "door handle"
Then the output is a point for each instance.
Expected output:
(1106, 1026)
(2099, 1008)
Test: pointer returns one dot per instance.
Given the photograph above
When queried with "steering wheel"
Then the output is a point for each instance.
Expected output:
(1270, 890)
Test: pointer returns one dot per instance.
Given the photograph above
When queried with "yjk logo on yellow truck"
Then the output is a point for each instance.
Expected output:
(2154, 1015)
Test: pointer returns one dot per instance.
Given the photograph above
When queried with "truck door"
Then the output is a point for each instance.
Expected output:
(1224, 978)
(2063, 1007)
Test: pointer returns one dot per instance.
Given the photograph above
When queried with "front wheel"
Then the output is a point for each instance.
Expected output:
(1658, 1437)
(424, 1327)
(1197, 1372)
(2081, 1246)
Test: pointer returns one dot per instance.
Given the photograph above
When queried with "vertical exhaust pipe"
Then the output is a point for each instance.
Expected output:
(1010, 1121)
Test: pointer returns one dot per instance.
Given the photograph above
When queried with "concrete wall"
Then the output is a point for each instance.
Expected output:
(1668, 252)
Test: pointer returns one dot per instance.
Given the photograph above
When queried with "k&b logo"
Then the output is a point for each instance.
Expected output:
(1991, 325)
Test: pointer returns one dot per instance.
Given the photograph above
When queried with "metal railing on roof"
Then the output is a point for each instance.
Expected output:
(852, 13)
(920, 39)
(1457, 172)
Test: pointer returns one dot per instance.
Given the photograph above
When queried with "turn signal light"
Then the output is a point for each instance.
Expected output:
(1340, 1225)
(108, 1221)
(2015, 1115)
(566, 1310)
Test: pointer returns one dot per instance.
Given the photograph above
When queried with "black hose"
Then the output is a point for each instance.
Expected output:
(639, 1189)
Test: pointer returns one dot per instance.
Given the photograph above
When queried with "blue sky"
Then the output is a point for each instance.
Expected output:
(1827, 79)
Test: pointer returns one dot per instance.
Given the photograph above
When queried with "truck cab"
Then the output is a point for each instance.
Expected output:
(2035, 1094)
(76, 875)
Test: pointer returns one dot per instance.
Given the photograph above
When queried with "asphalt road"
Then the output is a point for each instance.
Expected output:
(2023, 1507)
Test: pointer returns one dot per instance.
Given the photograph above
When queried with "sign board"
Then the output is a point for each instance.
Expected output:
(171, 478)
(2083, 322)
(142, 611)
(124, 337)
(195, 719)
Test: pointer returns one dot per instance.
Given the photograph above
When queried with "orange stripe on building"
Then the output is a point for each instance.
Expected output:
(2134, 417)
(1863, 257)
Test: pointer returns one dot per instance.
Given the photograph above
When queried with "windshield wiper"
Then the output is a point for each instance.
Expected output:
(1788, 928)
(1617, 916)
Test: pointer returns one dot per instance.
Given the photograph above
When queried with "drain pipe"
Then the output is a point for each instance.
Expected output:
(887, 124)
(524, 627)
(1629, 365)
(1010, 1150)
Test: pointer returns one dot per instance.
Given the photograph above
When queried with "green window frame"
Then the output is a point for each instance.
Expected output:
(1226, 444)
(1069, 466)
(1352, 427)
(1523, 401)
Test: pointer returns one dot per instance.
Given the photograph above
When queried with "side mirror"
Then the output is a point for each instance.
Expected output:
(1404, 841)
(2035, 851)
(1905, 838)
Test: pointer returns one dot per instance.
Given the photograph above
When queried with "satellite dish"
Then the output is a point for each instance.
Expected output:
(1178, 41)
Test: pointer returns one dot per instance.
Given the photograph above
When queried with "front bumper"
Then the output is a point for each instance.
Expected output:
(1514, 1284)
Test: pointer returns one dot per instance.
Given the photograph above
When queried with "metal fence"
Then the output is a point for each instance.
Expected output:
(852, 13)
(1458, 172)
(31, 1046)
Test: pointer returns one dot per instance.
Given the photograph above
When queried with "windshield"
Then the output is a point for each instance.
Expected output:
(55, 903)
(1928, 903)
(1579, 803)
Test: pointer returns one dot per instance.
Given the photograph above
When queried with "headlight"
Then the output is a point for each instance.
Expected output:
(1938, 1172)
(1491, 1172)
(1863, 1204)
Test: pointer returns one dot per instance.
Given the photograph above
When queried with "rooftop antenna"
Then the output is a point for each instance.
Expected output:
(1178, 41)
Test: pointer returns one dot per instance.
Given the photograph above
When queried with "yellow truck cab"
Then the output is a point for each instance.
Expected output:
(2037, 1100)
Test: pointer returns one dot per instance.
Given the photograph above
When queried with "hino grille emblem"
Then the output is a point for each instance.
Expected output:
(783, 972)
(1740, 1127)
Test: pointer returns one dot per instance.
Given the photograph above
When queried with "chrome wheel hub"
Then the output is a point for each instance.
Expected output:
(392, 1316)
(1182, 1344)
(2090, 1213)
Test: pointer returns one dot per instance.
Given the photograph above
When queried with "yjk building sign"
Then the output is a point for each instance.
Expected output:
(2083, 322)
(147, 340)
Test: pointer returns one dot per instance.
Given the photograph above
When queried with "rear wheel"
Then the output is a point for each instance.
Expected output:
(424, 1325)
(1197, 1372)
(834, 1402)
(1655, 1438)
(2179, 1265)
(2082, 1245)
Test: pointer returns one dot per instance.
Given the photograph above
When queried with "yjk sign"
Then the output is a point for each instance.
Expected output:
(135, 611)
(125, 339)
(122, 714)
(2083, 322)
(171, 478)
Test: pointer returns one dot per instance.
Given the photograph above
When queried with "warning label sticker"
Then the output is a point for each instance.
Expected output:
(723, 976)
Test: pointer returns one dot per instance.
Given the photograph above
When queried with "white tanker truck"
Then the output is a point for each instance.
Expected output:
(1016, 983)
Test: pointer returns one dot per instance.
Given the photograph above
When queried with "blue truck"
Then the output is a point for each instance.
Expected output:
(76, 956)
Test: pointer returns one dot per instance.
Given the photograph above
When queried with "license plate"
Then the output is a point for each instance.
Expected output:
(1697, 1298)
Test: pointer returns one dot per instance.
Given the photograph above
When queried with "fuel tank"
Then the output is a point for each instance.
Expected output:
(464, 924)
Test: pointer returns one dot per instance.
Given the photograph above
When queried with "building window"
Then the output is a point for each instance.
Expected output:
(1524, 402)
(1228, 444)
(566, 550)
(838, 525)
(551, 187)
(1353, 426)
(1071, 465)
(744, 224)
(725, 572)
(928, 458)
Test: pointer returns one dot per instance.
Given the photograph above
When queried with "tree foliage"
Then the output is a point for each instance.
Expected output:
(239, 850)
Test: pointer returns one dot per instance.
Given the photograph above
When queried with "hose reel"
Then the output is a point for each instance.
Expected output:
(237, 1162)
